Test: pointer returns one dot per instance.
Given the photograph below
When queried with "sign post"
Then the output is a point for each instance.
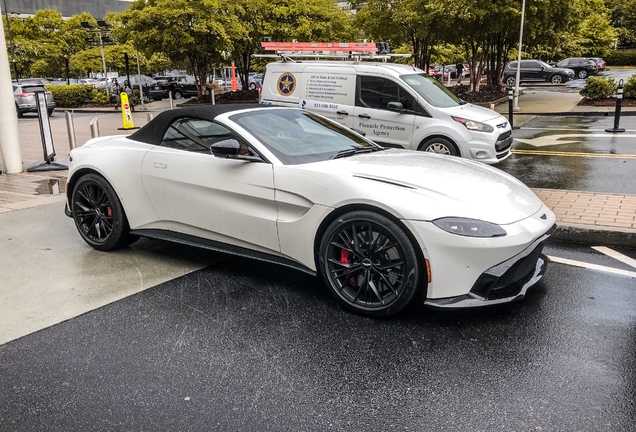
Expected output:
(49, 163)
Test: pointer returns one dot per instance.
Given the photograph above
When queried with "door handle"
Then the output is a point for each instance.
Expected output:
(364, 116)
(159, 165)
(342, 112)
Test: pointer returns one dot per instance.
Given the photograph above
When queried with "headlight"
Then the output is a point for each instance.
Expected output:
(474, 125)
(469, 227)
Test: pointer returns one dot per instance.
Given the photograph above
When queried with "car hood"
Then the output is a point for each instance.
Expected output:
(561, 70)
(454, 186)
(472, 112)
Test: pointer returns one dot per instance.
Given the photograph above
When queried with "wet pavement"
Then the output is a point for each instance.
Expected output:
(268, 349)
(575, 153)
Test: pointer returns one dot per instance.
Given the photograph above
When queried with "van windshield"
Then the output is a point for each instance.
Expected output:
(432, 91)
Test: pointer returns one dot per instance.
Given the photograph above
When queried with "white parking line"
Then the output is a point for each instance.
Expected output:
(616, 255)
(592, 266)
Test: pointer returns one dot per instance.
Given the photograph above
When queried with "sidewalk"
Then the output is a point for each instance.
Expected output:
(581, 216)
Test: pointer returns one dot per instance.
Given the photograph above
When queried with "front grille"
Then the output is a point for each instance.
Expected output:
(510, 283)
(504, 141)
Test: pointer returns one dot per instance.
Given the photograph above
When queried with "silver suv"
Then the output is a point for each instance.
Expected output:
(25, 99)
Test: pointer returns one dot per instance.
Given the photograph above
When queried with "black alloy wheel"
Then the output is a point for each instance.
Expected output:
(99, 215)
(369, 264)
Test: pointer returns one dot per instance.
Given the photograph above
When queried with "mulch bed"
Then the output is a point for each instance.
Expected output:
(609, 102)
(484, 95)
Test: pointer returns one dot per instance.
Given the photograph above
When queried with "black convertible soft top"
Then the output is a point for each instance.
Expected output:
(153, 132)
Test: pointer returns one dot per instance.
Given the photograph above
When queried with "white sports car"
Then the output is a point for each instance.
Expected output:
(383, 227)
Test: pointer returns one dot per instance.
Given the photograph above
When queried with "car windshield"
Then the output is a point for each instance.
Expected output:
(432, 91)
(544, 64)
(297, 137)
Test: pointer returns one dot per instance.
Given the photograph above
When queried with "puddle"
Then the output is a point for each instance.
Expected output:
(51, 186)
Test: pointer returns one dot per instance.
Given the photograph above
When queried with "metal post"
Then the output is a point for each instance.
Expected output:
(10, 137)
(617, 112)
(94, 125)
(170, 97)
(523, 13)
(141, 90)
(149, 117)
(70, 128)
(510, 108)
(101, 45)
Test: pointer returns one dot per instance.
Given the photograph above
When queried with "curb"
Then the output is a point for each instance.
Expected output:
(585, 234)
(578, 113)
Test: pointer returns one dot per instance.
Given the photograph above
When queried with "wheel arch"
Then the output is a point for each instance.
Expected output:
(340, 211)
(446, 137)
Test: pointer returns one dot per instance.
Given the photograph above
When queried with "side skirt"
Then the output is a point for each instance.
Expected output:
(199, 242)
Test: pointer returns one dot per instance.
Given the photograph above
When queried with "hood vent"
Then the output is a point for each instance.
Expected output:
(385, 181)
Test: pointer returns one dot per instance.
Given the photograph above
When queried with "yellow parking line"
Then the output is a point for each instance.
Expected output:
(576, 154)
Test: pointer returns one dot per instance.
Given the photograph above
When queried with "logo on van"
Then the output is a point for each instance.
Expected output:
(286, 84)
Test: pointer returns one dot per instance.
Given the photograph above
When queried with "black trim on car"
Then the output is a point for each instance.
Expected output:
(216, 246)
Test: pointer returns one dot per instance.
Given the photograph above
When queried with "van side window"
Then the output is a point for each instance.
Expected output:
(376, 92)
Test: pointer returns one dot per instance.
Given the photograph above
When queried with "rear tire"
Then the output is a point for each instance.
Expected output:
(20, 113)
(177, 94)
(440, 146)
(98, 214)
(510, 81)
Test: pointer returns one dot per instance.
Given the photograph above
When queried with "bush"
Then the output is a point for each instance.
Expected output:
(70, 96)
(597, 87)
(629, 89)
(100, 97)
(621, 58)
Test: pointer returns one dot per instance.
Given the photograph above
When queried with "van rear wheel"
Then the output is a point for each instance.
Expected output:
(440, 146)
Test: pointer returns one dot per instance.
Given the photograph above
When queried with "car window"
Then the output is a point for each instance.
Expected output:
(432, 91)
(533, 65)
(376, 92)
(512, 65)
(574, 62)
(297, 137)
(197, 135)
(562, 63)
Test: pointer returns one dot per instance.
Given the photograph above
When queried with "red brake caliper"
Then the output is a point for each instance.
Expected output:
(109, 211)
(345, 256)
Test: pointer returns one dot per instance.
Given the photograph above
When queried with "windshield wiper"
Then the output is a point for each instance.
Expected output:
(356, 150)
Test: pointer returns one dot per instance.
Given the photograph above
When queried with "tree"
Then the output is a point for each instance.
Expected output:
(282, 21)
(190, 32)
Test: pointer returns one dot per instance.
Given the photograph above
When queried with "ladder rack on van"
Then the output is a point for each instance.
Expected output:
(357, 51)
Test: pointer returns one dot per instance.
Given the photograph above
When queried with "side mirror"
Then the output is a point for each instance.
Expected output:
(395, 106)
(225, 148)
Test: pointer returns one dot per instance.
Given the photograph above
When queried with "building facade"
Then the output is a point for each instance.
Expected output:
(97, 8)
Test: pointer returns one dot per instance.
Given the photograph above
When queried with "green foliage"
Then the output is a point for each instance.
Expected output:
(71, 96)
(100, 97)
(621, 58)
(597, 87)
(629, 89)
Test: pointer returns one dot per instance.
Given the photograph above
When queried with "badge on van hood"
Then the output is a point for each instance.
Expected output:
(286, 84)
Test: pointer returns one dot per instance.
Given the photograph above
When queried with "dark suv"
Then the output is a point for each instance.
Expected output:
(179, 85)
(582, 67)
(535, 71)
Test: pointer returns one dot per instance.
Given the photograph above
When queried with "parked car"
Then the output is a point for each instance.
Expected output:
(582, 67)
(452, 69)
(536, 71)
(25, 102)
(89, 81)
(39, 81)
(438, 73)
(385, 228)
(600, 63)
(255, 80)
(179, 85)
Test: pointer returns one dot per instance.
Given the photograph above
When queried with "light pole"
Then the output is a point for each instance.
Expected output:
(516, 99)
(102, 26)
(15, 68)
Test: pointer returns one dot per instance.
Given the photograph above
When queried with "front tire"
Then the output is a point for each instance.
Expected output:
(582, 74)
(556, 79)
(177, 94)
(369, 264)
(98, 214)
(440, 146)
(510, 81)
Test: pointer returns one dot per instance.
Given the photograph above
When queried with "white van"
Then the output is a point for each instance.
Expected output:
(395, 105)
